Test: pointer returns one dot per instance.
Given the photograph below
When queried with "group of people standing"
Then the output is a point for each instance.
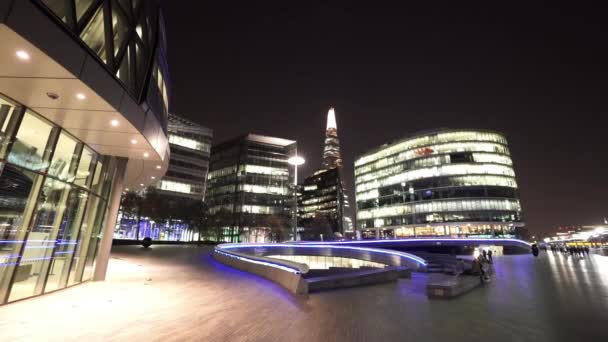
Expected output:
(484, 262)
(571, 250)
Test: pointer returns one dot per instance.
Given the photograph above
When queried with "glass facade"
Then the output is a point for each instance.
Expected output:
(250, 182)
(322, 194)
(53, 197)
(183, 183)
(456, 183)
(122, 34)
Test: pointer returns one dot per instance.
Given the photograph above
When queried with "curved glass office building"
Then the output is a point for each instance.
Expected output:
(441, 183)
(83, 116)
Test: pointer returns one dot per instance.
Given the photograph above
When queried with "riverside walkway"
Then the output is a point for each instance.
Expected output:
(179, 293)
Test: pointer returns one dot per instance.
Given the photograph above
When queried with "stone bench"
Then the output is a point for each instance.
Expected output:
(450, 287)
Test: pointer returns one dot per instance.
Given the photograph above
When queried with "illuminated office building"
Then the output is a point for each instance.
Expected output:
(83, 116)
(447, 182)
(323, 194)
(250, 186)
(184, 183)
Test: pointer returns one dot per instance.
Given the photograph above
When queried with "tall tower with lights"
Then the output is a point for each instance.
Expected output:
(331, 151)
(322, 194)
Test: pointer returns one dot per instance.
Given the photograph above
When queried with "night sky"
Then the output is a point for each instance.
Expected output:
(539, 75)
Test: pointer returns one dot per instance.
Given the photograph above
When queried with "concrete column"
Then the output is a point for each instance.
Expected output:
(103, 255)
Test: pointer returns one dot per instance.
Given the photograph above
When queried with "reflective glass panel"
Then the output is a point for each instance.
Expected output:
(95, 208)
(119, 28)
(30, 143)
(81, 7)
(84, 168)
(93, 242)
(18, 191)
(93, 35)
(65, 153)
(59, 7)
(67, 238)
(41, 239)
(124, 71)
(7, 112)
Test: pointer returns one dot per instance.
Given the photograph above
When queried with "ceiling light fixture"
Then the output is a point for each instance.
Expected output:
(133, 141)
(81, 96)
(159, 167)
(114, 123)
(22, 55)
(152, 177)
(146, 154)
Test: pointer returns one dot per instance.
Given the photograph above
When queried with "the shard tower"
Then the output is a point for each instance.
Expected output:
(331, 151)
(322, 194)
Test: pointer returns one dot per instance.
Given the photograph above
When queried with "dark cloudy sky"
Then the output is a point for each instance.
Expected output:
(538, 74)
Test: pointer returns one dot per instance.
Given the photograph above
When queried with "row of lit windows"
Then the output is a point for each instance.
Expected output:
(455, 181)
(317, 199)
(429, 140)
(264, 170)
(393, 197)
(440, 206)
(365, 173)
(259, 209)
(445, 148)
(263, 189)
(189, 143)
(436, 171)
(185, 188)
(434, 218)
(314, 208)
(222, 172)
(446, 230)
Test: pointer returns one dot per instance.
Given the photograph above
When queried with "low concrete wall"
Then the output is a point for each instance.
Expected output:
(286, 274)
(379, 255)
(253, 258)
(353, 279)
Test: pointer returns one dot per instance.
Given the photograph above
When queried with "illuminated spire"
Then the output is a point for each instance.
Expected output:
(331, 151)
(331, 119)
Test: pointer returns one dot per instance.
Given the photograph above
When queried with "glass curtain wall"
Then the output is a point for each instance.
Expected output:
(53, 195)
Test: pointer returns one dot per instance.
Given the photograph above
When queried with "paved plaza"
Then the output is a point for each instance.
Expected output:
(178, 293)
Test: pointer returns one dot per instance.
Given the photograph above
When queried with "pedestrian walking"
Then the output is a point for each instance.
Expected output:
(490, 257)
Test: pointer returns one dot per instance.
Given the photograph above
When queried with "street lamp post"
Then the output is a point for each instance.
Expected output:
(295, 161)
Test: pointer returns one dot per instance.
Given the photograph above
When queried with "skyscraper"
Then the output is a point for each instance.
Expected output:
(331, 151)
(249, 187)
(322, 194)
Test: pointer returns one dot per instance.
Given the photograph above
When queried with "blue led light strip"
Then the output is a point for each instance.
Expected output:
(328, 245)
(264, 263)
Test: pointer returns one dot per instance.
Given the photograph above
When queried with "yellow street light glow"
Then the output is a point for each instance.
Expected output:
(22, 55)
